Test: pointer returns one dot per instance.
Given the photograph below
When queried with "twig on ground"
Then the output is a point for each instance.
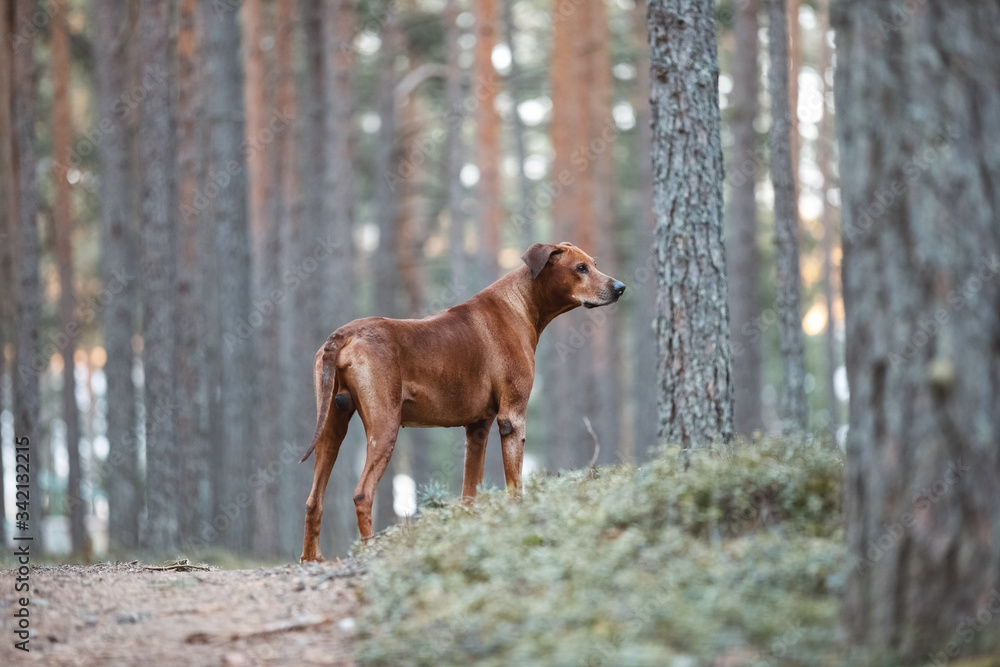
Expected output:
(597, 443)
(183, 565)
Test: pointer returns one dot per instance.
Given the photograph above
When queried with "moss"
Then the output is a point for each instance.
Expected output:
(735, 554)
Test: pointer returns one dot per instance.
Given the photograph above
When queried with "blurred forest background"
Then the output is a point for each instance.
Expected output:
(205, 190)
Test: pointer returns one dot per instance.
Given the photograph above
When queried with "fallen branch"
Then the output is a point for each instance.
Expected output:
(294, 625)
(182, 566)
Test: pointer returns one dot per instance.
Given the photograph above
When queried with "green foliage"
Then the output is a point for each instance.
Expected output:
(433, 495)
(706, 554)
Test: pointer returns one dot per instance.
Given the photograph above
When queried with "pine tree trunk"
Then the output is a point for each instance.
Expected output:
(918, 113)
(120, 472)
(257, 115)
(454, 117)
(695, 384)
(571, 221)
(794, 410)
(824, 156)
(643, 274)
(62, 219)
(386, 186)
(28, 363)
(604, 367)
(159, 232)
(189, 353)
(8, 217)
(487, 85)
(794, 67)
(525, 220)
(339, 29)
(227, 170)
(262, 128)
(742, 250)
(387, 196)
(294, 478)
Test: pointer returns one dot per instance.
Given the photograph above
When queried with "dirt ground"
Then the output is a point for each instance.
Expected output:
(126, 614)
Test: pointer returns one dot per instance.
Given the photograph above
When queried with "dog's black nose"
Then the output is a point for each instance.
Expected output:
(618, 287)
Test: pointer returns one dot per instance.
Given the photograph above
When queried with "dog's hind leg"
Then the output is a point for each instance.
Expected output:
(327, 448)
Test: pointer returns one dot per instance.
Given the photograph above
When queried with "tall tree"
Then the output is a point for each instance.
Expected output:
(644, 392)
(486, 83)
(605, 370)
(339, 27)
(296, 384)
(28, 363)
(526, 218)
(190, 358)
(695, 383)
(824, 156)
(794, 409)
(917, 111)
(794, 67)
(454, 117)
(572, 220)
(121, 469)
(255, 95)
(742, 250)
(265, 233)
(8, 216)
(387, 198)
(159, 245)
(62, 218)
(227, 171)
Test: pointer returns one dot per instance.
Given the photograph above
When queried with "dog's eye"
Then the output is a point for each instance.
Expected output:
(582, 268)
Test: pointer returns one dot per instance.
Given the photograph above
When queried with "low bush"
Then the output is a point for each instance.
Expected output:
(734, 556)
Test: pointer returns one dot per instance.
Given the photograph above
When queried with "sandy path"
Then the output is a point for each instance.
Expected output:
(124, 614)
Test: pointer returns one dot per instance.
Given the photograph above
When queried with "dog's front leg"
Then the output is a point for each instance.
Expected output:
(512, 430)
(476, 435)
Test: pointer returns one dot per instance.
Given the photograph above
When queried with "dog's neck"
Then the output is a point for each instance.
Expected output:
(526, 299)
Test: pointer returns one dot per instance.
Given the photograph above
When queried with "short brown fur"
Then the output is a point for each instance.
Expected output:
(465, 366)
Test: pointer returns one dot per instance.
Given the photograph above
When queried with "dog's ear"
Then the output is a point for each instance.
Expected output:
(537, 256)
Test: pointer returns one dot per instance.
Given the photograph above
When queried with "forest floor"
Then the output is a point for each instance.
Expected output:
(128, 614)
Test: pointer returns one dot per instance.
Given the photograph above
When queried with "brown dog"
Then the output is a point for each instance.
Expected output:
(464, 366)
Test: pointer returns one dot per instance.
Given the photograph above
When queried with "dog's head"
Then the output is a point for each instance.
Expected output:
(570, 276)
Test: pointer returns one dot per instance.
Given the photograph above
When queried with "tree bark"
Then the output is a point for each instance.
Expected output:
(918, 111)
(794, 409)
(159, 237)
(454, 118)
(387, 275)
(525, 220)
(644, 263)
(742, 250)
(794, 67)
(296, 378)
(695, 383)
(227, 170)
(62, 219)
(190, 353)
(339, 28)
(120, 472)
(572, 220)
(605, 370)
(262, 128)
(488, 155)
(28, 362)
(824, 156)
(257, 112)
(8, 216)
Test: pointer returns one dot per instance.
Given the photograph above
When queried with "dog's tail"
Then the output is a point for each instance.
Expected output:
(325, 385)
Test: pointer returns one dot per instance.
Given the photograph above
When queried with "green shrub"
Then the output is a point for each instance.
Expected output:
(697, 556)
